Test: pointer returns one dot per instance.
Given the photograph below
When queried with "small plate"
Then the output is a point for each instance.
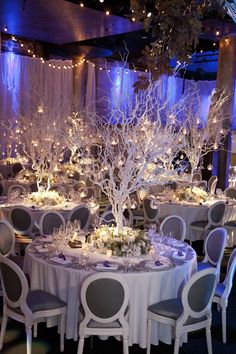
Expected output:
(100, 267)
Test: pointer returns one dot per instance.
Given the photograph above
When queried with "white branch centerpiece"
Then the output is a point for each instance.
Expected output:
(204, 137)
(136, 144)
(42, 138)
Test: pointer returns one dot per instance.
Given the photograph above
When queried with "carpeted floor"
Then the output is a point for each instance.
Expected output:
(47, 341)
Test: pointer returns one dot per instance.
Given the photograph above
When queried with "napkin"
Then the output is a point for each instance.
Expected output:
(179, 255)
(41, 249)
(106, 265)
(155, 265)
(60, 260)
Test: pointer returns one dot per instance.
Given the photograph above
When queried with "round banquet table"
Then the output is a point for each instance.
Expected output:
(146, 287)
(194, 212)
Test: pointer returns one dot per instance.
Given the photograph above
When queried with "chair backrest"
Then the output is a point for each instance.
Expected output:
(16, 168)
(81, 213)
(215, 245)
(104, 297)
(21, 219)
(231, 267)
(49, 221)
(150, 213)
(212, 184)
(230, 193)
(14, 284)
(197, 295)
(175, 225)
(197, 177)
(108, 218)
(7, 238)
(17, 188)
(216, 213)
(2, 188)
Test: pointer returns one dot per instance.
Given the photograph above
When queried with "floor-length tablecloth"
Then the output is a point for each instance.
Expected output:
(145, 289)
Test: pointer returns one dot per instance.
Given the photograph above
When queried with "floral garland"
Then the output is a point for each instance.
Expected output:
(193, 194)
(130, 240)
(45, 198)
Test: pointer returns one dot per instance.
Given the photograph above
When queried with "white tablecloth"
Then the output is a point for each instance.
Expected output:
(192, 213)
(145, 289)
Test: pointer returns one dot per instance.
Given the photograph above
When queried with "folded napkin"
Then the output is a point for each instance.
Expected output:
(106, 265)
(61, 260)
(42, 249)
(156, 264)
(179, 255)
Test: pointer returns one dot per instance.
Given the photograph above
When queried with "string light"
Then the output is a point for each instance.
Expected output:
(81, 4)
(5, 29)
(107, 13)
(149, 14)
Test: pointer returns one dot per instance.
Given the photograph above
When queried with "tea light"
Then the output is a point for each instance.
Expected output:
(109, 253)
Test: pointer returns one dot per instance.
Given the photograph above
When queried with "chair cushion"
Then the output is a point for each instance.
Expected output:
(171, 308)
(202, 265)
(201, 223)
(94, 324)
(230, 223)
(39, 300)
(220, 288)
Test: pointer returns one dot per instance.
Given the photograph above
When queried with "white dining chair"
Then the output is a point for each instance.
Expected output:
(212, 184)
(189, 313)
(215, 218)
(25, 306)
(230, 193)
(104, 299)
(223, 290)
(7, 239)
(21, 219)
(214, 250)
(17, 188)
(50, 220)
(174, 225)
(107, 218)
(150, 213)
(82, 214)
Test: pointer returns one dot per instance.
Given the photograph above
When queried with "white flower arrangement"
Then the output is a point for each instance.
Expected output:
(193, 194)
(108, 238)
(45, 198)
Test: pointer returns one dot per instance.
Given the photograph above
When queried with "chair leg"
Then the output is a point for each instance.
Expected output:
(125, 346)
(149, 331)
(62, 332)
(223, 319)
(176, 346)
(35, 329)
(28, 339)
(208, 338)
(3, 329)
(80, 346)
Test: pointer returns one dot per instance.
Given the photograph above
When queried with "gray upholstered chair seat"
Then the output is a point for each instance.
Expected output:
(39, 300)
(94, 324)
(138, 212)
(171, 308)
(204, 265)
(220, 288)
(200, 223)
(230, 223)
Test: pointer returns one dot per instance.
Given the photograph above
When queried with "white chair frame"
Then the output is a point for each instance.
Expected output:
(209, 224)
(179, 325)
(27, 317)
(207, 258)
(212, 184)
(180, 219)
(19, 186)
(41, 221)
(78, 207)
(123, 330)
(29, 230)
(230, 189)
(11, 249)
(222, 301)
(146, 218)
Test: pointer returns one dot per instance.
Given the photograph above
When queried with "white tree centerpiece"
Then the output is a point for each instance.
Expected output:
(42, 138)
(137, 142)
(204, 137)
